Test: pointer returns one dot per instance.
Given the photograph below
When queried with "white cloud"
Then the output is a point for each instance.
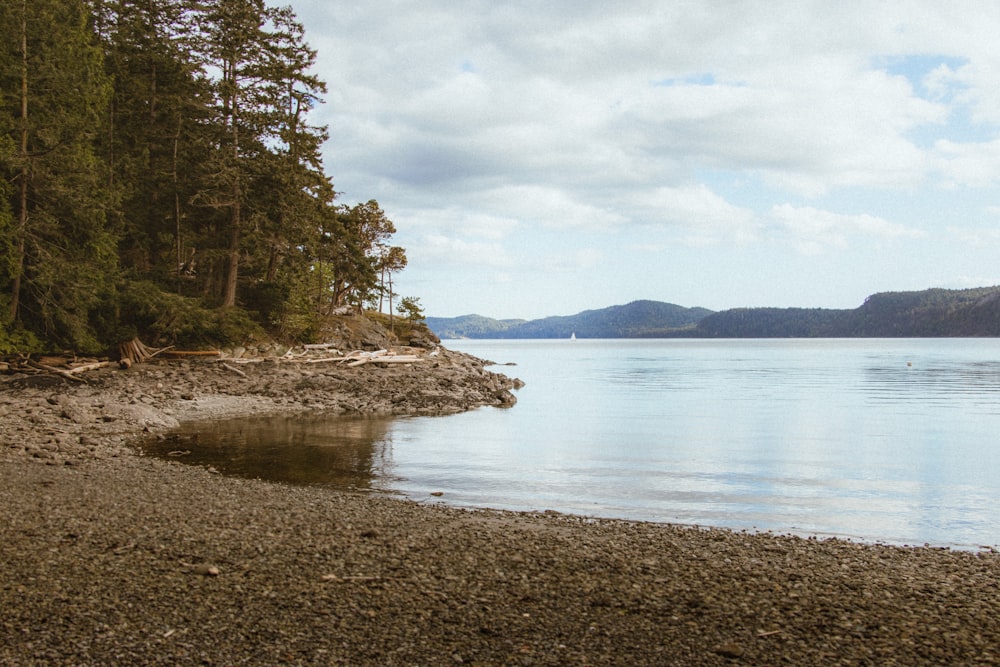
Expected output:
(701, 216)
(486, 130)
(989, 237)
(567, 262)
(813, 231)
(970, 164)
(529, 94)
(548, 207)
(454, 220)
(446, 251)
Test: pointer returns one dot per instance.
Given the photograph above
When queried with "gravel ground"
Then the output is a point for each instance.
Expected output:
(111, 558)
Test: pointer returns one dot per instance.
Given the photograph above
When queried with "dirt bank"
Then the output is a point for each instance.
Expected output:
(110, 558)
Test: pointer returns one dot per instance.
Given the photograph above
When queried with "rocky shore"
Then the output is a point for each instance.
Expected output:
(111, 558)
(49, 417)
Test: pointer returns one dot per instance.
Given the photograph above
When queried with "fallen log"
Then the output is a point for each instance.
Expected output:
(93, 366)
(386, 359)
(193, 353)
(234, 369)
(57, 371)
(361, 354)
(322, 360)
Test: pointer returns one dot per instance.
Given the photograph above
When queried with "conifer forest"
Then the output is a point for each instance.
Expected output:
(163, 178)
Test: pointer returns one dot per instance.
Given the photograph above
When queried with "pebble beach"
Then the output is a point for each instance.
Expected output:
(108, 557)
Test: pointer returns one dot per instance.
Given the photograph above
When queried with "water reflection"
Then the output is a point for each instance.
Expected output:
(885, 440)
(342, 453)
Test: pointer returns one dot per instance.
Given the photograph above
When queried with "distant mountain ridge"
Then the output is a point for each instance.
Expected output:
(638, 319)
(928, 313)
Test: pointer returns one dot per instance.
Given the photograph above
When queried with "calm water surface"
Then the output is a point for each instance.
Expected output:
(882, 440)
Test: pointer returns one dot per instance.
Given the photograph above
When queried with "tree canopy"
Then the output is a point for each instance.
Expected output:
(162, 177)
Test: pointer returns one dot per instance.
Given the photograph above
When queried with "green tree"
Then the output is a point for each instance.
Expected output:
(166, 145)
(291, 187)
(359, 252)
(390, 260)
(155, 138)
(63, 250)
(411, 309)
(262, 91)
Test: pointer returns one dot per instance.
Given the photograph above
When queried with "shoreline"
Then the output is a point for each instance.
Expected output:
(110, 557)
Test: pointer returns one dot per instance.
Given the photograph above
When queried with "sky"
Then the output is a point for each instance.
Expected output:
(548, 157)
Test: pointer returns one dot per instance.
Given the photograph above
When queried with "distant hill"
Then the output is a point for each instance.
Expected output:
(470, 326)
(770, 323)
(639, 319)
(927, 313)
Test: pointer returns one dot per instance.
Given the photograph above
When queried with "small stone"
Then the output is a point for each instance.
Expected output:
(730, 650)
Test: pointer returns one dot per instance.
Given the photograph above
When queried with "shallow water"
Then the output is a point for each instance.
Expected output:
(883, 440)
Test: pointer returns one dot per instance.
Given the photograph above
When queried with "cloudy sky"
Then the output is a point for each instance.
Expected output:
(546, 157)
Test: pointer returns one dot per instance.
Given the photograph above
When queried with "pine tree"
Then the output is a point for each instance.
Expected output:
(155, 137)
(63, 251)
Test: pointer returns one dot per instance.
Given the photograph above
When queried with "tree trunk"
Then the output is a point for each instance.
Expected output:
(229, 297)
(232, 273)
(22, 222)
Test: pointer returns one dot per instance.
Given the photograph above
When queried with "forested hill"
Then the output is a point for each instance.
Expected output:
(928, 313)
(639, 319)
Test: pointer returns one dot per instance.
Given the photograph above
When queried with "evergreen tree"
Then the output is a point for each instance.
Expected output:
(262, 90)
(155, 138)
(291, 186)
(158, 146)
(63, 250)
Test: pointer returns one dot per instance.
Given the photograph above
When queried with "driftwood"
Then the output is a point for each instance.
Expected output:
(136, 352)
(351, 359)
(49, 365)
(386, 359)
(191, 353)
(321, 360)
(380, 357)
(52, 369)
(234, 369)
(92, 366)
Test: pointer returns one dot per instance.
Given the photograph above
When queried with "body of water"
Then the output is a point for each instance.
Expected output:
(894, 440)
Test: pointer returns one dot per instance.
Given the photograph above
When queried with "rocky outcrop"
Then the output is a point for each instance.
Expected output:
(50, 418)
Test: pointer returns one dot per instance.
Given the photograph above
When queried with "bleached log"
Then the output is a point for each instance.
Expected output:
(397, 359)
(194, 353)
(361, 354)
(234, 369)
(58, 371)
(89, 367)
(324, 360)
(386, 359)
